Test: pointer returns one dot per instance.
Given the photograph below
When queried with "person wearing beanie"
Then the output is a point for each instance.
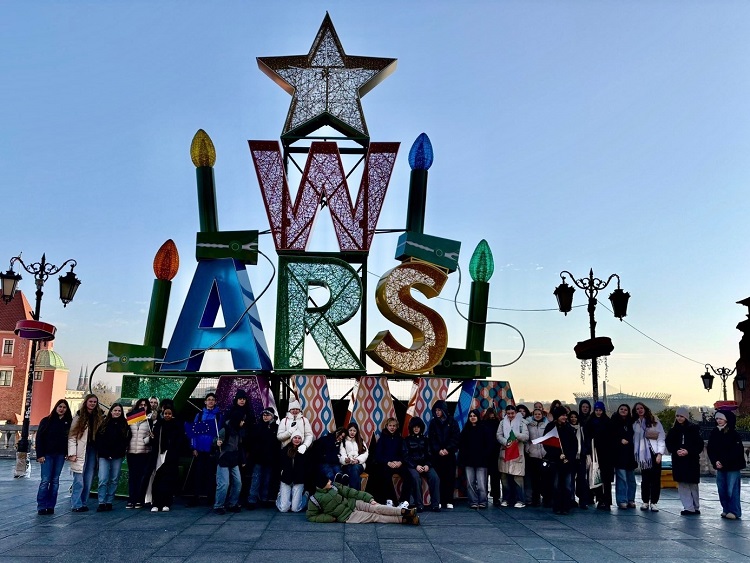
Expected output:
(203, 466)
(289, 423)
(353, 454)
(727, 455)
(599, 435)
(293, 473)
(263, 452)
(685, 444)
(339, 503)
(442, 436)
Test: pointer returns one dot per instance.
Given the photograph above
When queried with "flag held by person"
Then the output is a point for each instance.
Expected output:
(512, 451)
(137, 416)
(552, 438)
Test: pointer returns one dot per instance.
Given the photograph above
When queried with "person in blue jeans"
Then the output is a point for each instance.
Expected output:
(327, 450)
(263, 451)
(112, 442)
(82, 450)
(727, 455)
(353, 454)
(624, 457)
(229, 442)
(51, 447)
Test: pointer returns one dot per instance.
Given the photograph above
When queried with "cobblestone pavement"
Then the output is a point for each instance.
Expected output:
(459, 535)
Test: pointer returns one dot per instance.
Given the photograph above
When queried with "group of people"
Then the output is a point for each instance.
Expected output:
(557, 458)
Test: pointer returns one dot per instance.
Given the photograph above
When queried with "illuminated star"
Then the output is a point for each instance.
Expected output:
(326, 85)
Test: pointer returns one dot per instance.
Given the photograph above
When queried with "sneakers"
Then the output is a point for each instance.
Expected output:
(689, 513)
(436, 508)
(504, 503)
(474, 507)
(482, 506)
(341, 478)
(130, 505)
(81, 509)
(408, 512)
(165, 509)
(219, 510)
(644, 506)
(389, 502)
(623, 505)
(731, 516)
(154, 509)
(101, 508)
(138, 505)
(654, 508)
(235, 508)
(410, 520)
(404, 504)
(519, 505)
(631, 505)
(449, 506)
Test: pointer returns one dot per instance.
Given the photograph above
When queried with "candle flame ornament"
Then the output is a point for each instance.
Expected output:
(481, 265)
(167, 261)
(202, 151)
(420, 155)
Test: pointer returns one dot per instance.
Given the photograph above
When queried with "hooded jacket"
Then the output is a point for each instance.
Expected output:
(443, 433)
(288, 424)
(416, 449)
(725, 445)
(335, 504)
(685, 469)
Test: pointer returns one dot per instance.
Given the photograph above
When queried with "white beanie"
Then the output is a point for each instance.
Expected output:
(294, 404)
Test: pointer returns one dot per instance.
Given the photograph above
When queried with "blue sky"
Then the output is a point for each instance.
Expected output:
(570, 135)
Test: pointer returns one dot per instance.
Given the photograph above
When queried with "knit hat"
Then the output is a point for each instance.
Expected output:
(682, 411)
(298, 432)
(240, 394)
(294, 404)
(599, 405)
(558, 412)
(719, 415)
(269, 410)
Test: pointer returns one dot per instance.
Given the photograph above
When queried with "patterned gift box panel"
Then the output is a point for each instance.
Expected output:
(373, 405)
(315, 400)
(257, 388)
(482, 395)
(424, 393)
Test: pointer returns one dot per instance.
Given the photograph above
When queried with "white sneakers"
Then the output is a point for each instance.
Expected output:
(504, 503)
(644, 506)
(404, 504)
(154, 509)
(519, 505)
(449, 506)
(654, 508)
(389, 502)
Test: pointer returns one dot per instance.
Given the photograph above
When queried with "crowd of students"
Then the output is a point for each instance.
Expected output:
(556, 458)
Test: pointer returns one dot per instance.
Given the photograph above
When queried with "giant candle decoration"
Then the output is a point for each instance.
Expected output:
(481, 268)
(166, 264)
(420, 160)
(203, 155)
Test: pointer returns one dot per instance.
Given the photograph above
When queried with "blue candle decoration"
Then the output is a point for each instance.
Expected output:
(420, 155)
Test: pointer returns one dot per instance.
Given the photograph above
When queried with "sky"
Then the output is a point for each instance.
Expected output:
(569, 134)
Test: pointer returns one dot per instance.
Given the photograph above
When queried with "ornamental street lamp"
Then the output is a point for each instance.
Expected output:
(594, 347)
(723, 373)
(35, 330)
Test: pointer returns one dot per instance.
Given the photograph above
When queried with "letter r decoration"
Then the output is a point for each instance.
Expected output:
(295, 319)
(427, 327)
(323, 180)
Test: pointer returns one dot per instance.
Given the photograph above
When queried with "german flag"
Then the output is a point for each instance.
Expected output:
(137, 416)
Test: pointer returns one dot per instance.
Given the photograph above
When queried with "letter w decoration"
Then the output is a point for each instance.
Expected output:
(323, 179)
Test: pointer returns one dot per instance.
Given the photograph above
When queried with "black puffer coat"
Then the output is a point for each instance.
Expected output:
(416, 450)
(685, 469)
(726, 446)
(624, 454)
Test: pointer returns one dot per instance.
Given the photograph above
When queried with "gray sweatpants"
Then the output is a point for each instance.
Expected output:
(689, 496)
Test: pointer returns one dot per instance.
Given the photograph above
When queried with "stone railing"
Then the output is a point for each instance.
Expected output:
(9, 436)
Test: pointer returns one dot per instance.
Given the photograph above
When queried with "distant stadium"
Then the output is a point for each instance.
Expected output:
(657, 402)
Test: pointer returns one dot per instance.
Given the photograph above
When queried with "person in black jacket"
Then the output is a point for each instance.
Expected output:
(112, 441)
(293, 475)
(263, 451)
(561, 454)
(727, 455)
(51, 449)
(442, 436)
(387, 462)
(419, 464)
(231, 456)
(492, 422)
(169, 443)
(624, 457)
(473, 445)
(598, 433)
(685, 444)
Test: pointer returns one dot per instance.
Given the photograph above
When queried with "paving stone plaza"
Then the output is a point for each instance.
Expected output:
(460, 535)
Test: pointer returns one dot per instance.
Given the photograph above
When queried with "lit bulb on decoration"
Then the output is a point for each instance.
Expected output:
(420, 155)
(166, 261)
(202, 151)
(481, 265)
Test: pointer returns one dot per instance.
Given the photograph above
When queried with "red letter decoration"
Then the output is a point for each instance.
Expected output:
(323, 177)
(427, 328)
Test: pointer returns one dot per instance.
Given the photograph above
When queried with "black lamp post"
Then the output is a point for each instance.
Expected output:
(594, 347)
(723, 373)
(35, 330)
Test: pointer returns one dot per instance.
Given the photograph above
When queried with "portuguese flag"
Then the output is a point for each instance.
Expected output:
(511, 447)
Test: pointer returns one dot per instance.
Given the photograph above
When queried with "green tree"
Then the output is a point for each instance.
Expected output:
(743, 422)
(666, 417)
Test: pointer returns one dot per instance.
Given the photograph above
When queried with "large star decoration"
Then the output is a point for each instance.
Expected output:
(326, 85)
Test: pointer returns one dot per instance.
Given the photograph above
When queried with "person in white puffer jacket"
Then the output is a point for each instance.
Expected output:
(289, 423)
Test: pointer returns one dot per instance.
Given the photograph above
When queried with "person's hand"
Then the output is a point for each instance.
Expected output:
(588, 461)
(624, 442)
(40, 459)
(72, 458)
(219, 443)
(195, 453)
(682, 452)
(719, 465)
(373, 502)
(396, 464)
(658, 458)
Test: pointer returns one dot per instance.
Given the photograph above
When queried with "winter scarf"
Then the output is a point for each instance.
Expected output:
(642, 446)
